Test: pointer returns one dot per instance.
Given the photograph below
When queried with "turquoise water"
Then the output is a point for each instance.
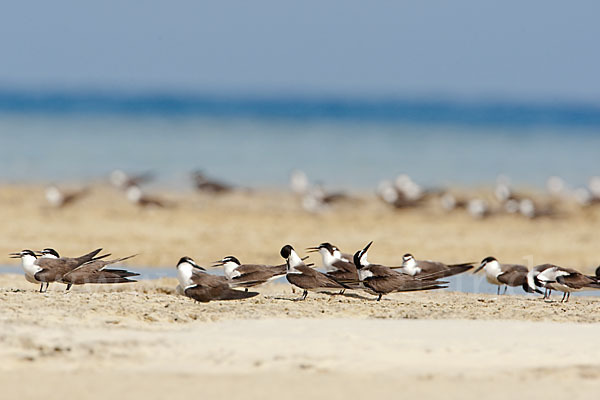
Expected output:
(257, 142)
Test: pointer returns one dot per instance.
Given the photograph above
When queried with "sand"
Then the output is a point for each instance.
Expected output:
(150, 342)
(254, 225)
(145, 341)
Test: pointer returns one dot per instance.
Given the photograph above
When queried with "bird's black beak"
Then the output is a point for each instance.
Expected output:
(367, 246)
(199, 267)
(15, 255)
(218, 263)
(479, 269)
(312, 249)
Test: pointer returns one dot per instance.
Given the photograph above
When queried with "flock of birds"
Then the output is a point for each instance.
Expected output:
(400, 193)
(132, 187)
(341, 272)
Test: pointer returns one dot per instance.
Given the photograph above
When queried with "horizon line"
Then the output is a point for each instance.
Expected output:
(411, 109)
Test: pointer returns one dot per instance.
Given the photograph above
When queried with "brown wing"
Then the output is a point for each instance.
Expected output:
(253, 275)
(94, 272)
(312, 279)
(87, 257)
(514, 275)
(577, 280)
(345, 266)
(212, 287)
(436, 270)
(386, 280)
(53, 269)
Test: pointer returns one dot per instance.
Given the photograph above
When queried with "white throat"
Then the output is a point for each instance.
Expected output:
(230, 269)
(329, 259)
(184, 274)
(28, 264)
(294, 261)
(409, 266)
(492, 269)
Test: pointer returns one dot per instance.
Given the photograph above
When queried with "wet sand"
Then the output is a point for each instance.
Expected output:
(146, 341)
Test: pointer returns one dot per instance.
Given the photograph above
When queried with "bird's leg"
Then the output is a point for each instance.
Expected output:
(342, 291)
(505, 289)
(304, 294)
(498, 291)
(379, 297)
(41, 286)
(545, 293)
(568, 296)
(68, 287)
(563, 298)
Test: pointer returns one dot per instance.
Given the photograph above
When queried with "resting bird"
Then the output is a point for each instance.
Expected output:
(203, 287)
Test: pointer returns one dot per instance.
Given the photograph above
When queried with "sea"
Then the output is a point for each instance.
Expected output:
(256, 141)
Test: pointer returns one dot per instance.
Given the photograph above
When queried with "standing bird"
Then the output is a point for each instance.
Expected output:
(121, 180)
(337, 265)
(431, 269)
(51, 268)
(567, 280)
(533, 281)
(204, 184)
(59, 198)
(249, 275)
(380, 280)
(95, 271)
(505, 274)
(136, 196)
(204, 287)
(305, 277)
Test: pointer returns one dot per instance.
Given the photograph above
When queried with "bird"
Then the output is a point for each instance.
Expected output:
(567, 280)
(478, 208)
(136, 196)
(337, 265)
(203, 287)
(431, 269)
(380, 280)
(59, 198)
(249, 275)
(204, 184)
(121, 180)
(305, 277)
(533, 281)
(95, 271)
(505, 274)
(50, 268)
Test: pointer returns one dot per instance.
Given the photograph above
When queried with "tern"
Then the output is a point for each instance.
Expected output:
(431, 269)
(203, 287)
(567, 280)
(505, 274)
(305, 277)
(249, 275)
(380, 280)
(338, 265)
(50, 268)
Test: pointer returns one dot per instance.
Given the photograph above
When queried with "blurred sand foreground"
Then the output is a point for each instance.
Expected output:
(143, 341)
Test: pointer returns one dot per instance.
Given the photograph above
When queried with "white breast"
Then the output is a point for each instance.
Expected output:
(230, 270)
(30, 268)
(184, 275)
(364, 273)
(492, 270)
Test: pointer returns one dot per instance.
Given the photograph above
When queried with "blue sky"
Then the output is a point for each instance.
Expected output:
(541, 50)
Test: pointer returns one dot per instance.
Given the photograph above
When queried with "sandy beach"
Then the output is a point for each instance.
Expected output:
(144, 339)
(254, 225)
(147, 341)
